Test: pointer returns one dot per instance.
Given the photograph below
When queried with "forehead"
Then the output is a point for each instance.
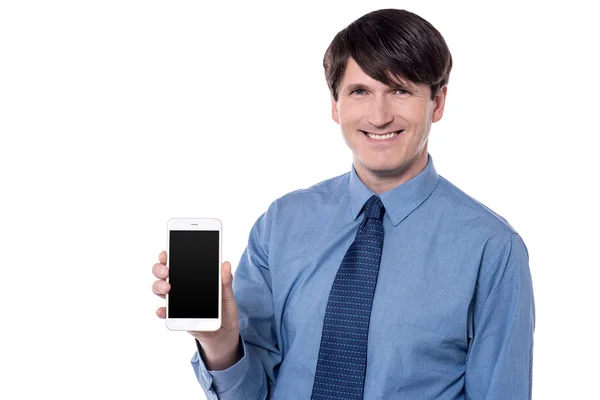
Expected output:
(354, 75)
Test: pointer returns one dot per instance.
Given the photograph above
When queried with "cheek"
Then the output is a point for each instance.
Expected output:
(350, 113)
(415, 113)
(424, 112)
(346, 123)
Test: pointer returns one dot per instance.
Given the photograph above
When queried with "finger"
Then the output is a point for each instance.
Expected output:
(161, 288)
(162, 257)
(161, 312)
(160, 271)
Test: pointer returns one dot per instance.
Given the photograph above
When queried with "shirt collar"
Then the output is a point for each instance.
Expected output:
(400, 201)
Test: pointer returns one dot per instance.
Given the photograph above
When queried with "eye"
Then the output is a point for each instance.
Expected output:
(401, 92)
(358, 91)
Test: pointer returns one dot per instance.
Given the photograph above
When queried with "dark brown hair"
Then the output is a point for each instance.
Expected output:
(390, 44)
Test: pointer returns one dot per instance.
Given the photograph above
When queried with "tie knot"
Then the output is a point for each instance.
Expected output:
(374, 208)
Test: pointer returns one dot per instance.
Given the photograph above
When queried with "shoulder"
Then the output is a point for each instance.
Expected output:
(466, 208)
(471, 221)
(301, 204)
(298, 210)
(317, 195)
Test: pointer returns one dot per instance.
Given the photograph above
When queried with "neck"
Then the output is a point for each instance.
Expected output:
(383, 181)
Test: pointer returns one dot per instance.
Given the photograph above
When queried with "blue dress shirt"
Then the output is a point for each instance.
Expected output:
(453, 312)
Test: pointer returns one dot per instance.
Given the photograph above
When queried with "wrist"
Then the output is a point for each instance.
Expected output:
(221, 356)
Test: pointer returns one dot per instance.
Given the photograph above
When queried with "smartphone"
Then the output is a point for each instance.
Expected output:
(194, 262)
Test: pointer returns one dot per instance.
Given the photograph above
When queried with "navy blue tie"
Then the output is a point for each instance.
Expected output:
(342, 362)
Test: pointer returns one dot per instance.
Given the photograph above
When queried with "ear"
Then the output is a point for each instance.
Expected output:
(334, 110)
(439, 102)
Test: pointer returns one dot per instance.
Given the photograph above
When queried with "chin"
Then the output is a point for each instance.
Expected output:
(383, 168)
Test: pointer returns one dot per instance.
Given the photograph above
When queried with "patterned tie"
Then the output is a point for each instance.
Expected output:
(342, 362)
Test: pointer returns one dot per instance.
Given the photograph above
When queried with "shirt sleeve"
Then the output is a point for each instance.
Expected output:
(252, 376)
(500, 356)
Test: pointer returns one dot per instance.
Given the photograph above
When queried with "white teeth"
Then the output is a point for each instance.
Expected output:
(382, 137)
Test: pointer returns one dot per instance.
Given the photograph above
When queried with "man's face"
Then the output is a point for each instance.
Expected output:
(387, 128)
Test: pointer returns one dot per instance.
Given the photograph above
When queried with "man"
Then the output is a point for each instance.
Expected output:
(387, 282)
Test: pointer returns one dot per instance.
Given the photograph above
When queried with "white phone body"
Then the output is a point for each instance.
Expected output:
(194, 262)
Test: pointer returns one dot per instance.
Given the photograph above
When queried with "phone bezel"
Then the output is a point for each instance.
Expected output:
(195, 224)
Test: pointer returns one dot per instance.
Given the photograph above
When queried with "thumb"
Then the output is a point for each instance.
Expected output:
(230, 321)
(227, 281)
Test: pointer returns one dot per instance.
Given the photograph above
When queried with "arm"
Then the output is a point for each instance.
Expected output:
(251, 377)
(499, 362)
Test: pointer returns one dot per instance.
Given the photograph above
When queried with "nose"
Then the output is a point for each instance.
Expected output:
(380, 114)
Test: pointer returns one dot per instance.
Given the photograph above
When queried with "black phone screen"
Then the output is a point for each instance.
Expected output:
(194, 274)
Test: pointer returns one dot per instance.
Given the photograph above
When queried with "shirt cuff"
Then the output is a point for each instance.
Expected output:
(218, 382)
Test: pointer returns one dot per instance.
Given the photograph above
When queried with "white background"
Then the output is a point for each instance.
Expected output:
(118, 115)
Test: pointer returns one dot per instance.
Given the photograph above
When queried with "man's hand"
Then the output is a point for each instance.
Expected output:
(220, 349)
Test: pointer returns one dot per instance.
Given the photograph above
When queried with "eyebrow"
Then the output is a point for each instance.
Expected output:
(354, 86)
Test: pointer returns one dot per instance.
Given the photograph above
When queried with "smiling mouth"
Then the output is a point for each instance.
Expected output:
(382, 136)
